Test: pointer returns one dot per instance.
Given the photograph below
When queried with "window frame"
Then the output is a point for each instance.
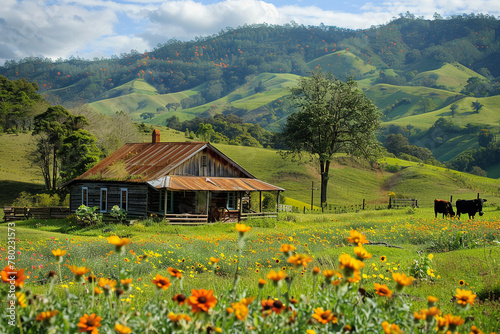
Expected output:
(85, 196)
(105, 190)
(232, 198)
(122, 190)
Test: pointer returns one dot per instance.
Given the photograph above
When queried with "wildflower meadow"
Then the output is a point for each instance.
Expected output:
(310, 274)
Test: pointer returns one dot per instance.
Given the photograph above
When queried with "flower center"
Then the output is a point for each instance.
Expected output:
(324, 316)
(277, 304)
(202, 300)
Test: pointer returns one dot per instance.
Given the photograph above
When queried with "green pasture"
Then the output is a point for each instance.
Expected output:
(463, 252)
(453, 76)
(343, 64)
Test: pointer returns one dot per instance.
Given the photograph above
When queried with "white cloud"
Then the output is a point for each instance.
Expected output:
(89, 28)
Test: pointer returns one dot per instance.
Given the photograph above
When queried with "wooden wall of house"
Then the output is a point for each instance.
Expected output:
(213, 165)
(137, 196)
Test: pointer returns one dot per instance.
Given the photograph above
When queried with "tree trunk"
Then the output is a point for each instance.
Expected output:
(324, 169)
(54, 169)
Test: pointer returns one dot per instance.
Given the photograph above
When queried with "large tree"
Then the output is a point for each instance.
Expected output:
(51, 128)
(332, 117)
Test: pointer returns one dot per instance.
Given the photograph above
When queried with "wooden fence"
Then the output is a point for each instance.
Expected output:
(23, 213)
(396, 203)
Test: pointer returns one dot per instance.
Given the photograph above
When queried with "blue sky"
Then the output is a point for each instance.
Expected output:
(102, 28)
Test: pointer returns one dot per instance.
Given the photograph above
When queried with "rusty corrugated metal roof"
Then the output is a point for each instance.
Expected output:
(147, 161)
(175, 182)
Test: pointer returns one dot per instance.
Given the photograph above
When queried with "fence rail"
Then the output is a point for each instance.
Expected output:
(247, 215)
(396, 203)
(23, 213)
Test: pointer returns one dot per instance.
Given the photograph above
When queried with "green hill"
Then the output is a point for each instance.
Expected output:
(451, 76)
(137, 97)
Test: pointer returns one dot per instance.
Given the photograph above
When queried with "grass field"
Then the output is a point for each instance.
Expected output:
(453, 253)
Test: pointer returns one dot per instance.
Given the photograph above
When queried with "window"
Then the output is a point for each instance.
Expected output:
(85, 196)
(104, 199)
(231, 200)
(124, 199)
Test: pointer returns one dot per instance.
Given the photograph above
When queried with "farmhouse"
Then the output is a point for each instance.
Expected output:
(182, 181)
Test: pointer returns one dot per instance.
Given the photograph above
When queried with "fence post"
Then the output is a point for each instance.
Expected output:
(363, 203)
(304, 209)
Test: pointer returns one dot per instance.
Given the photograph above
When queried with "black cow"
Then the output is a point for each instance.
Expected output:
(444, 207)
(470, 207)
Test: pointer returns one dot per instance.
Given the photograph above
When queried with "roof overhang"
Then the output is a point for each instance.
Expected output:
(201, 183)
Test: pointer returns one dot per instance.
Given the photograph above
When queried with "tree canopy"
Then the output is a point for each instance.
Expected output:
(333, 117)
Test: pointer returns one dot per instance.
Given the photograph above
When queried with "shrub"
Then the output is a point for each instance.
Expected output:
(118, 213)
(88, 216)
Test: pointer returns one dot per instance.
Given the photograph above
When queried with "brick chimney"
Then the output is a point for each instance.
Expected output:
(156, 136)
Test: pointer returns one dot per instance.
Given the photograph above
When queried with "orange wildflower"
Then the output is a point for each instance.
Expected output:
(453, 321)
(276, 276)
(324, 316)
(475, 330)
(179, 298)
(174, 272)
(285, 248)
(89, 323)
(272, 305)
(361, 253)
(316, 270)
(402, 280)
(262, 282)
(357, 238)
(214, 259)
(391, 328)
(178, 317)
(17, 276)
(382, 290)
(349, 264)
(201, 300)
(46, 315)
(121, 329)
(58, 252)
(161, 282)
(79, 271)
(239, 309)
(117, 241)
(242, 228)
(465, 297)
(300, 260)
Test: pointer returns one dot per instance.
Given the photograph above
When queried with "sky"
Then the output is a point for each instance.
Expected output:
(102, 28)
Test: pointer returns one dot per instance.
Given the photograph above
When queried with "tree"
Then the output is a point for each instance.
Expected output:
(333, 117)
(476, 106)
(52, 127)
(453, 108)
(484, 138)
(147, 115)
(205, 132)
(78, 153)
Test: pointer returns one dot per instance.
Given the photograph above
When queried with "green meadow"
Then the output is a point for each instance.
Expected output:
(442, 254)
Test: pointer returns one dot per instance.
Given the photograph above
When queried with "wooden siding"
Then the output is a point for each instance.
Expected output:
(137, 196)
(215, 166)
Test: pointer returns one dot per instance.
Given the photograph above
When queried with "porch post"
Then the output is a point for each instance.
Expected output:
(208, 204)
(241, 206)
(278, 201)
(260, 201)
(165, 204)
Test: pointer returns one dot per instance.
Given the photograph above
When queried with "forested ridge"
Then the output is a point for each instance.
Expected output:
(406, 45)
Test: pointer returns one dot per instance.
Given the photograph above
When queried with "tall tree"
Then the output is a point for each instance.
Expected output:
(78, 153)
(333, 117)
(52, 127)
(477, 106)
